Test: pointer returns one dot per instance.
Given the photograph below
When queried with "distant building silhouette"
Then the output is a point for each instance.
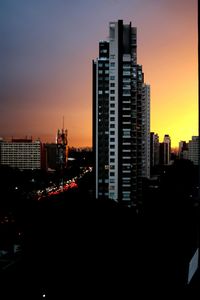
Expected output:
(50, 156)
(183, 150)
(154, 149)
(165, 150)
(121, 117)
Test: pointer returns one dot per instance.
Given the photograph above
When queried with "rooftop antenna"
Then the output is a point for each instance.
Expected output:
(63, 122)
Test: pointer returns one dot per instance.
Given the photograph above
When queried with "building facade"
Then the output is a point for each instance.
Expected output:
(121, 117)
(183, 150)
(24, 154)
(154, 150)
(193, 150)
(165, 150)
(50, 155)
(146, 131)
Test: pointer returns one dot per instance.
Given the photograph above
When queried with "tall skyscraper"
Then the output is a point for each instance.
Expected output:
(146, 131)
(121, 117)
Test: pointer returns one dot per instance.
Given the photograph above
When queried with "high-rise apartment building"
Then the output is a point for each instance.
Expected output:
(121, 117)
(146, 131)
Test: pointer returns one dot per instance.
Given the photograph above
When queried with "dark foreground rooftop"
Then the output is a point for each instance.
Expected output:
(92, 250)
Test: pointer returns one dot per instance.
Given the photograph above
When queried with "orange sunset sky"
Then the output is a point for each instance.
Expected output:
(47, 53)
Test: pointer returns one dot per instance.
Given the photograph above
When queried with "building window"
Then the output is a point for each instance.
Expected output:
(112, 118)
(112, 173)
(112, 64)
(112, 125)
(112, 91)
(126, 133)
(112, 160)
(112, 112)
(112, 77)
(112, 105)
(112, 146)
(112, 98)
(112, 139)
(112, 84)
(112, 153)
(112, 132)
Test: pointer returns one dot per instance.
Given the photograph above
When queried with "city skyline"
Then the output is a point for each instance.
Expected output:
(46, 57)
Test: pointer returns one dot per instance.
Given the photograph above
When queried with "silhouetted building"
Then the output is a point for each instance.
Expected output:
(51, 156)
(120, 117)
(165, 150)
(154, 150)
(1, 140)
(183, 150)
